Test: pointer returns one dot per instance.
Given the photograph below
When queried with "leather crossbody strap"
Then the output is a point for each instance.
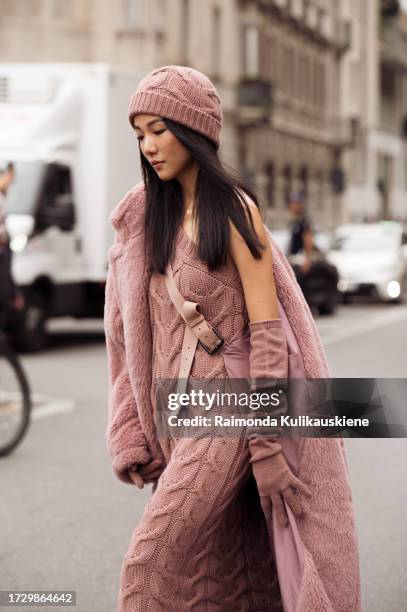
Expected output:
(197, 329)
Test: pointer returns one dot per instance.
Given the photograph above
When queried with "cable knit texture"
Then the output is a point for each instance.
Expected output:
(268, 362)
(182, 94)
(202, 524)
(268, 350)
(202, 542)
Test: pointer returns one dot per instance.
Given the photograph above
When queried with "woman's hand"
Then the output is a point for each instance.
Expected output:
(276, 481)
(135, 477)
(145, 474)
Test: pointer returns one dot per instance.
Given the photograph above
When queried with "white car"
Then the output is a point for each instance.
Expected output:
(371, 259)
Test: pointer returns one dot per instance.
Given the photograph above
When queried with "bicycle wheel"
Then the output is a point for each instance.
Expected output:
(15, 402)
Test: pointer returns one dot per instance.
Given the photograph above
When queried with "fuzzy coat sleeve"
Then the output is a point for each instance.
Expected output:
(125, 439)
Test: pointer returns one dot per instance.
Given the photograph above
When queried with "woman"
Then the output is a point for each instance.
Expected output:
(231, 524)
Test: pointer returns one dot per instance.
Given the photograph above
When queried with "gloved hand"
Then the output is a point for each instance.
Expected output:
(275, 480)
(145, 474)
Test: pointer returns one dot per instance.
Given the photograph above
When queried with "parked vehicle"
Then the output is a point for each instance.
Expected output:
(371, 259)
(64, 127)
(320, 284)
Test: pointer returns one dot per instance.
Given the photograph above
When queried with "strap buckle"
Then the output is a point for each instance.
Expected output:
(215, 347)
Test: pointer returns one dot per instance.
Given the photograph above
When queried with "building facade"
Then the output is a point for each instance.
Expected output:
(300, 49)
(309, 90)
(374, 97)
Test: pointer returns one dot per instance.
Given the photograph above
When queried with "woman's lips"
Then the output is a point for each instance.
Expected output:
(158, 166)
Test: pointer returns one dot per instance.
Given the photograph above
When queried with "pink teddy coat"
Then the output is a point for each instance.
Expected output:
(317, 555)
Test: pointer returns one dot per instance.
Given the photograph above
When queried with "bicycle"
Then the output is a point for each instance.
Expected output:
(15, 399)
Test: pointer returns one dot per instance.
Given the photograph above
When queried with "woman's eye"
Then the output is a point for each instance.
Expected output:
(156, 133)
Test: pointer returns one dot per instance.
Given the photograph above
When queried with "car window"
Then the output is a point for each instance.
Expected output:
(24, 191)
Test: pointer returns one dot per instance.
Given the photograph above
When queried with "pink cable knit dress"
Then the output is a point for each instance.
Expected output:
(202, 542)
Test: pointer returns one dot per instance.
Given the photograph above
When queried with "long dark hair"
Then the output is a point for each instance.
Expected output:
(218, 198)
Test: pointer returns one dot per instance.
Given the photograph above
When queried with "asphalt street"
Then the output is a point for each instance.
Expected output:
(66, 521)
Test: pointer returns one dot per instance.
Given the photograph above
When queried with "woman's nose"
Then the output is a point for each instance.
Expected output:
(149, 145)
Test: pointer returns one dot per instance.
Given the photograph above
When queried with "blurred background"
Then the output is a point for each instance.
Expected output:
(314, 96)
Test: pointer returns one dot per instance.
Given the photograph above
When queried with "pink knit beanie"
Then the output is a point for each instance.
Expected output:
(182, 94)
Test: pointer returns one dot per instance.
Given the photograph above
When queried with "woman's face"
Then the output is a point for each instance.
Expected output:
(158, 143)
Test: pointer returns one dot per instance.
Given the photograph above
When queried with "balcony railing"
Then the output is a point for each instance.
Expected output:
(255, 91)
(254, 96)
(348, 131)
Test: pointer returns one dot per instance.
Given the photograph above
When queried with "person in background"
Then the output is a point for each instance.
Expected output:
(6, 178)
(10, 296)
(301, 233)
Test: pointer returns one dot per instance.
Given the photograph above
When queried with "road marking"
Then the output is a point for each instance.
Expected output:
(362, 327)
(46, 406)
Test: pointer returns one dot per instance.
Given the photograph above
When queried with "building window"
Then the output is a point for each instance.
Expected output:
(273, 57)
(319, 189)
(308, 80)
(303, 78)
(287, 76)
(389, 97)
(322, 86)
(288, 180)
(285, 72)
(251, 51)
(296, 75)
(270, 183)
(317, 84)
(216, 39)
(185, 21)
(290, 72)
(303, 180)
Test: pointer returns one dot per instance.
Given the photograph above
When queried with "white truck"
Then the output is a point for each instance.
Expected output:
(65, 128)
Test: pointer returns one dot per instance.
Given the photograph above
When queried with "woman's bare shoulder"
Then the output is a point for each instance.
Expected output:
(236, 239)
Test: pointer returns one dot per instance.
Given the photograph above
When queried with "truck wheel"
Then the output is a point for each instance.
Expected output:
(30, 336)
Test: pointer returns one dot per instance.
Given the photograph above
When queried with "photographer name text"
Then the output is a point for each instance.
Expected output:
(266, 421)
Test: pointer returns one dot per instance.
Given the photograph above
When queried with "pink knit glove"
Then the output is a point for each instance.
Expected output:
(268, 368)
(269, 372)
(145, 474)
(275, 480)
(268, 350)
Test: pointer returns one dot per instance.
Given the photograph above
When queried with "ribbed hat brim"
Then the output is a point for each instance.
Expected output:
(156, 103)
